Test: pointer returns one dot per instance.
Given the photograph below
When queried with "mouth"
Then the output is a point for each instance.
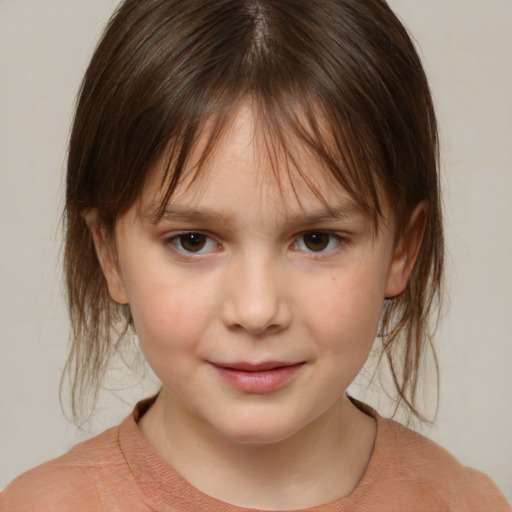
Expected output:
(257, 378)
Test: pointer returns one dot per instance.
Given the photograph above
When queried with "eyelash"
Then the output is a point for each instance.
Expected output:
(178, 239)
(332, 238)
(332, 242)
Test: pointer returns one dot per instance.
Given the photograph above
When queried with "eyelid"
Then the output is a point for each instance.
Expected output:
(174, 238)
(338, 237)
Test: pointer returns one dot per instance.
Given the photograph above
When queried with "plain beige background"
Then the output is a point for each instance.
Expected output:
(466, 46)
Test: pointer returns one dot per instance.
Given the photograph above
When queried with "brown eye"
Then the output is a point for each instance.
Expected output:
(192, 242)
(316, 241)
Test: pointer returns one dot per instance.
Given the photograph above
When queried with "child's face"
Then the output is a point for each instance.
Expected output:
(256, 312)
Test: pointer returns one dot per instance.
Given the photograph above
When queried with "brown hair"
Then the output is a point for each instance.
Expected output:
(342, 76)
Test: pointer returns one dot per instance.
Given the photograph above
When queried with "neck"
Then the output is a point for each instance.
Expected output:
(322, 462)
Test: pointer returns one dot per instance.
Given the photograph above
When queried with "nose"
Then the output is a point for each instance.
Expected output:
(257, 298)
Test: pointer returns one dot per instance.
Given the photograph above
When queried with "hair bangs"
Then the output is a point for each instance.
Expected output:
(285, 132)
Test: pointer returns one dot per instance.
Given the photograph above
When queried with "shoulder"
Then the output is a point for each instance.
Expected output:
(427, 467)
(69, 482)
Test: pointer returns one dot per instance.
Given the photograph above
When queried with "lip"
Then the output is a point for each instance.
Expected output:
(257, 378)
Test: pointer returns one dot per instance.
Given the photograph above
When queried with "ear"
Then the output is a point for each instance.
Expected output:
(406, 251)
(107, 255)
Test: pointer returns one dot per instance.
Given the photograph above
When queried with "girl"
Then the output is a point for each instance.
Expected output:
(252, 188)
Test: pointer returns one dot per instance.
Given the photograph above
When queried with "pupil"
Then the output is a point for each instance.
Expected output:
(193, 242)
(316, 241)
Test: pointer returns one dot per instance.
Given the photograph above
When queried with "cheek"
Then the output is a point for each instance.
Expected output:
(170, 314)
(346, 313)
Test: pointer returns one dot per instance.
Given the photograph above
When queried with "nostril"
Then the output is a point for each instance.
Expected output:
(256, 319)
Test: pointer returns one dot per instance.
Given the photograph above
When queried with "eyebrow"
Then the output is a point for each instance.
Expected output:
(175, 212)
(345, 211)
(154, 214)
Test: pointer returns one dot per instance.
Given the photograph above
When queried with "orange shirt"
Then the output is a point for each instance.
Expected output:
(119, 471)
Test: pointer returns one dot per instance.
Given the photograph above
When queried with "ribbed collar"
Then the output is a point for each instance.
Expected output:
(165, 490)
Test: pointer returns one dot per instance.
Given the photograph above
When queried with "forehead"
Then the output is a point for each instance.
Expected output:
(247, 163)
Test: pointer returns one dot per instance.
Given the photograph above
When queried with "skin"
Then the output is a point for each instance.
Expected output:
(274, 279)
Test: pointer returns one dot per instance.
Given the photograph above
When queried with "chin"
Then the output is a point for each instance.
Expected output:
(264, 430)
